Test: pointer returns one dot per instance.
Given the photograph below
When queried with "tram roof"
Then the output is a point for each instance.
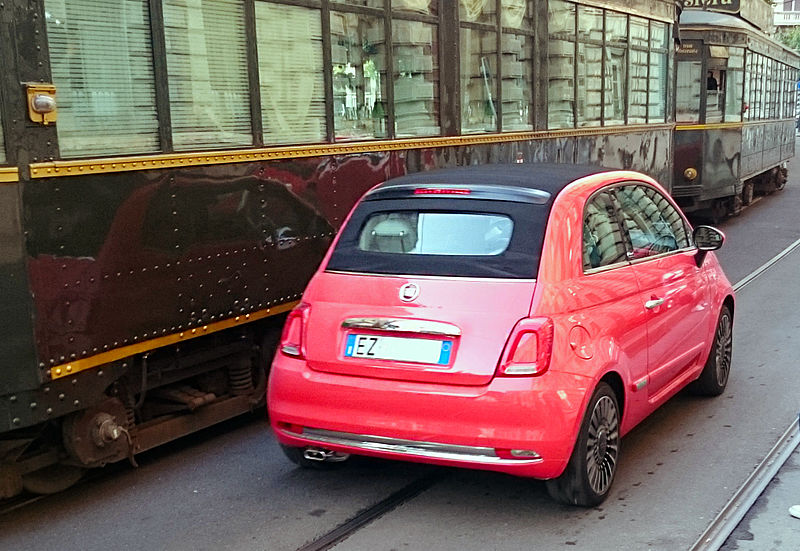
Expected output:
(715, 19)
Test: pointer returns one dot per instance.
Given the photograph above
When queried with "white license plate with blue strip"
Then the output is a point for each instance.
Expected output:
(400, 349)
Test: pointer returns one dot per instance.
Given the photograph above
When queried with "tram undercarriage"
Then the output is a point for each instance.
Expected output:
(161, 395)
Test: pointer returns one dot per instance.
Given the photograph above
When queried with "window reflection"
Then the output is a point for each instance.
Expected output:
(358, 54)
(101, 58)
(561, 64)
(416, 78)
(290, 69)
(477, 11)
(209, 88)
(478, 85)
(687, 97)
(425, 7)
(517, 71)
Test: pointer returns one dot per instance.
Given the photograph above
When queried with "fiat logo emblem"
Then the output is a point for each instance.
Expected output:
(409, 292)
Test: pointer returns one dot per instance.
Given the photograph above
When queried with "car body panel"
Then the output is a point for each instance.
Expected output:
(484, 311)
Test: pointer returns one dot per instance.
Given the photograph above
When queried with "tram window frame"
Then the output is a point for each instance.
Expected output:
(500, 103)
(279, 125)
(105, 76)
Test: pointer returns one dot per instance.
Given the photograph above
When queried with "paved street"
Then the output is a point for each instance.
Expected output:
(231, 488)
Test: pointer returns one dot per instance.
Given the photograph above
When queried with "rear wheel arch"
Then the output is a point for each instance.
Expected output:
(614, 380)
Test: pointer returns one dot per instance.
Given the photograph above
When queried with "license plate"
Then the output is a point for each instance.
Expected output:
(401, 349)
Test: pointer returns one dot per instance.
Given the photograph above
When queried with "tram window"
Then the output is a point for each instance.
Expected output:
(734, 84)
(590, 66)
(517, 64)
(358, 53)
(101, 61)
(715, 97)
(291, 73)
(637, 96)
(561, 64)
(615, 79)
(209, 89)
(415, 50)
(478, 85)
(476, 11)
(687, 98)
(657, 93)
(425, 7)
(517, 14)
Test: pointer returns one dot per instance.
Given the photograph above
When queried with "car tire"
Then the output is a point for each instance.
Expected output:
(296, 456)
(590, 472)
(714, 377)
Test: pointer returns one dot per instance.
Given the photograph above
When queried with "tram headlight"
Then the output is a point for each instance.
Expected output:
(690, 174)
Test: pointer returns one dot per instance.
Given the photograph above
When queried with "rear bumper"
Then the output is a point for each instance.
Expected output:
(463, 426)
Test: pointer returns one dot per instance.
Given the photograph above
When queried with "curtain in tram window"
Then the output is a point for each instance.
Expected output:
(291, 73)
(209, 89)
(101, 60)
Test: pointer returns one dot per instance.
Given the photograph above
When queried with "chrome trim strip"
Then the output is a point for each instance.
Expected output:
(403, 326)
(413, 448)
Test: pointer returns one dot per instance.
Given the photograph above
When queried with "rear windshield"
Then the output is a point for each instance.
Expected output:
(437, 233)
(449, 237)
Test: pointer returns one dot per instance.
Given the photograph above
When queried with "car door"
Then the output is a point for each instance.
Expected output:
(610, 323)
(672, 286)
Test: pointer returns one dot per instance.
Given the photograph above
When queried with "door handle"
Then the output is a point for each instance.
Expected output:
(650, 304)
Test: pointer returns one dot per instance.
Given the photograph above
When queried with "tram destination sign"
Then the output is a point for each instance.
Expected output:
(724, 6)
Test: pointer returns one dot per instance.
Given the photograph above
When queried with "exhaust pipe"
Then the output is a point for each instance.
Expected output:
(323, 455)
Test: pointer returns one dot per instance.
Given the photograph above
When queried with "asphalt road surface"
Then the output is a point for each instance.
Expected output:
(231, 488)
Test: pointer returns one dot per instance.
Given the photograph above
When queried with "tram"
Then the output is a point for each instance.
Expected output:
(172, 172)
(735, 113)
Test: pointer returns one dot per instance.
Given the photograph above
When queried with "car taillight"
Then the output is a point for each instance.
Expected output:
(529, 349)
(293, 336)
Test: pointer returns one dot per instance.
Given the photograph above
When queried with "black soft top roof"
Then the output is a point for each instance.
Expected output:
(548, 177)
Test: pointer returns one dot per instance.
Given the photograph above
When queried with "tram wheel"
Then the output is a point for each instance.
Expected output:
(52, 479)
(747, 192)
(718, 211)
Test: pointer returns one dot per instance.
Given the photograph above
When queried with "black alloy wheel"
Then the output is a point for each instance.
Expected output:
(714, 377)
(590, 472)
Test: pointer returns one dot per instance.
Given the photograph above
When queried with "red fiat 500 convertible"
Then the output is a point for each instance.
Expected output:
(517, 318)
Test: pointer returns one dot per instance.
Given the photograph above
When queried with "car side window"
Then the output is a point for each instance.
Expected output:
(602, 237)
(653, 225)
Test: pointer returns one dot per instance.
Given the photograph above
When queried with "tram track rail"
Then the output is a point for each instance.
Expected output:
(374, 512)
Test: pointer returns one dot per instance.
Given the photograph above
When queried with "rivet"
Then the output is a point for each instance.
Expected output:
(61, 396)
(34, 405)
(48, 411)
(76, 403)
(16, 420)
(12, 399)
(58, 371)
(69, 368)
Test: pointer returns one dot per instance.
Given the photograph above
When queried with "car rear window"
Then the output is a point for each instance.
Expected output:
(436, 233)
(446, 237)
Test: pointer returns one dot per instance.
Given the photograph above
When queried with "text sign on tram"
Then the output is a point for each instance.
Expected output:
(725, 6)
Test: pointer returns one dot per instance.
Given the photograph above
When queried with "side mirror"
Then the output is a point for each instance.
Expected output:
(706, 239)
